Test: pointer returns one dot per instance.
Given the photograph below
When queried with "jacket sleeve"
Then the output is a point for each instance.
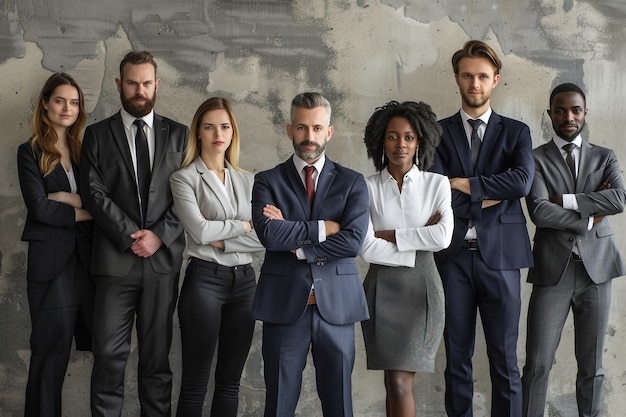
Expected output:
(40, 207)
(96, 196)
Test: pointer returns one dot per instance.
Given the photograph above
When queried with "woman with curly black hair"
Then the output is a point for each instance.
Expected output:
(411, 216)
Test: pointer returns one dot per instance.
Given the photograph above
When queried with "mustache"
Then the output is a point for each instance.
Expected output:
(309, 143)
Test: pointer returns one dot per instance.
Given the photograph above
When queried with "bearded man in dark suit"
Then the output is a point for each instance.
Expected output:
(126, 161)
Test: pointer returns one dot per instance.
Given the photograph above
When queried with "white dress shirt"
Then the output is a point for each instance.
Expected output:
(471, 232)
(407, 212)
(569, 200)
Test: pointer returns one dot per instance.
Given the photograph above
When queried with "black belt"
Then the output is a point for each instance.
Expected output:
(576, 257)
(216, 266)
(470, 244)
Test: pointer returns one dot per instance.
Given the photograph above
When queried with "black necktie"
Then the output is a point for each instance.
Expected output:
(569, 158)
(309, 182)
(475, 139)
(143, 167)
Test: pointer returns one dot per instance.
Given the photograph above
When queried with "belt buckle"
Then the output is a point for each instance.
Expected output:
(471, 244)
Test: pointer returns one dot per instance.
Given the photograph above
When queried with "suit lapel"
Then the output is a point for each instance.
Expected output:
(554, 154)
(457, 132)
(490, 138)
(324, 181)
(293, 176)
(118, 135)
(161, 136)
(586, 156)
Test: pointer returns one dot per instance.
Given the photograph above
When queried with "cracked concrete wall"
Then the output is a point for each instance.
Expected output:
(360, 54)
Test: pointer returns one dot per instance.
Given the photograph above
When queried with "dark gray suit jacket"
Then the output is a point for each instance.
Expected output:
(109, 192)
(558, 229)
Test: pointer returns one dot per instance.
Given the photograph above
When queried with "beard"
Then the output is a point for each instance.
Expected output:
(137, 110)
(567, 136)
(474, 102)
(309, 155)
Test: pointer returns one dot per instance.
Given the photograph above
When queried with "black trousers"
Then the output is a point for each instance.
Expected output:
(56, 317)
(215, 303)
(151, 298)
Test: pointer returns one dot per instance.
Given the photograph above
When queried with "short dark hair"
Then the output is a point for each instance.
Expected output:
(422, 119)
(476, 49)
(565, 88)
(310, 100)
(137, 58)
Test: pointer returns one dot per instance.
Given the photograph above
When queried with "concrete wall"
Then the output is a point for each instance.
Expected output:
(360, 54)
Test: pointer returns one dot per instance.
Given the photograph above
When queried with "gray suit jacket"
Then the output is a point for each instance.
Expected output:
(209, 213)
(559, 229)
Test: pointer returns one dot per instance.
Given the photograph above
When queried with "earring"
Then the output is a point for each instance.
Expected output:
(417, 160)
(382, 160)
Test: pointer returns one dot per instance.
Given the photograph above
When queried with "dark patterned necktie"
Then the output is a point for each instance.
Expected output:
(143, 167)
(475, 139)
(569, 158)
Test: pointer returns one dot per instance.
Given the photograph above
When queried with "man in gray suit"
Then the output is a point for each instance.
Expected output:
(576, 186)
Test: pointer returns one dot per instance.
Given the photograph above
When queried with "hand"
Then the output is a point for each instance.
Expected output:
(557, 199)
(272, 212)
(332, 227)
(219, 244)
(434, 219)
(598, 219)
(247, 226)
(388, 235)
(490, 203)
(145, 244)
(81, 215)
(602, 187)
(461, 184)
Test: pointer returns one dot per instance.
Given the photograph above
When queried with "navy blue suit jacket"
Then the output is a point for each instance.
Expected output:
(504, 171)
(285, 281)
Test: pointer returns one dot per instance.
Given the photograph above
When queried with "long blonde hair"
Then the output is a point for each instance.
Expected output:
(44, 136)
(193, 144)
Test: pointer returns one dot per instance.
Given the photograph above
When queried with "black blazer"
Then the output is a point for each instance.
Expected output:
(51, 230)
(109, 192)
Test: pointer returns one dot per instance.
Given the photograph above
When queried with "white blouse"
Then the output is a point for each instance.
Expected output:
(407, 212)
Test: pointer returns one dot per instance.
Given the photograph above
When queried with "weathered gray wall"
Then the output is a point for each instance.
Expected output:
(360, 54)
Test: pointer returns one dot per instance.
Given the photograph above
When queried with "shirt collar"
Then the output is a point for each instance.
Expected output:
(484, 117)
(129, 119)
(559, 142)
(413, 172)
(300, 164)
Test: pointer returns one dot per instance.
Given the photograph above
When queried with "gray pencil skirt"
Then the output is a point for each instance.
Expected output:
(406, 322)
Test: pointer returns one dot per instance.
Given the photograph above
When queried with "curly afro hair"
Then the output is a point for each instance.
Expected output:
(422, 119)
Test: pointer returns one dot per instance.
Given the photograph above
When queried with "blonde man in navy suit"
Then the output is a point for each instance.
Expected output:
(127, 160)
(309, 292)
(491, 168)
(573, 193)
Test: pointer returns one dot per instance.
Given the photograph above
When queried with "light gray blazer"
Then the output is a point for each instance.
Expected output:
(559, 229)
(209, 214)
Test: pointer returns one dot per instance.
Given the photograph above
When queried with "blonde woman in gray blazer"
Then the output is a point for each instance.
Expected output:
(212, 200)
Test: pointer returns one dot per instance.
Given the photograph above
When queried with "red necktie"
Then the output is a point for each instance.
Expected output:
(309, 182)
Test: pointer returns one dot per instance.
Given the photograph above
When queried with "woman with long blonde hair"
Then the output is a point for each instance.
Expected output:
(58, 234)
(212, 200)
